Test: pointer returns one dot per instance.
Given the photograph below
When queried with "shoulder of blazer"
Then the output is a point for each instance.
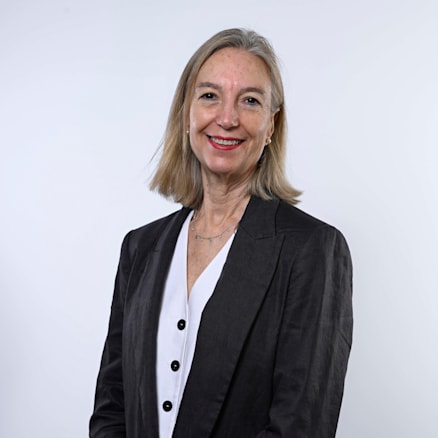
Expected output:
(276, 216)
(303, 227)
(279, 218)
(291, 218)
(141, 240)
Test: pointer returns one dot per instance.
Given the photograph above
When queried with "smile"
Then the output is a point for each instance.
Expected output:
(224, 143)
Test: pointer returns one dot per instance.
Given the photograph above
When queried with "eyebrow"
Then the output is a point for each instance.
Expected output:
(243, 90)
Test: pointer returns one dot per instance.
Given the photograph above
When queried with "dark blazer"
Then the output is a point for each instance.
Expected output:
(273, 343)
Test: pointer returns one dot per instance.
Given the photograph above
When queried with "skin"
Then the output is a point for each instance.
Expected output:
(231, 101)
(230, 123)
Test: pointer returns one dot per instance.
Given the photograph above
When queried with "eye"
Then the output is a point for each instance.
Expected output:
(252, 101)
(208, 96)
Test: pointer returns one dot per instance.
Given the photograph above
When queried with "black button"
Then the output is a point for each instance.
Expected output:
(174, 365)
(181, 324)
(167, 405)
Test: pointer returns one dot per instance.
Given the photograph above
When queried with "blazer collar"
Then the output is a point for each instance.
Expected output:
(259, 218)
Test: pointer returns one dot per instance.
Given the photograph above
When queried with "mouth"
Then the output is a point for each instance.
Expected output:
(224, 144)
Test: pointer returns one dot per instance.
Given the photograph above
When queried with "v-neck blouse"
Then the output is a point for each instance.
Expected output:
(178, 327)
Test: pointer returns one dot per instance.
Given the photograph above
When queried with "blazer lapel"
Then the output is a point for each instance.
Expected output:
(146, 307)
(228, 317)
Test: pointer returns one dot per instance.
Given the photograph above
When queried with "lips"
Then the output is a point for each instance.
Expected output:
(223, 143)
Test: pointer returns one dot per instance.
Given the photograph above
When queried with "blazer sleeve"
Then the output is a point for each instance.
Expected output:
(314, 342)
(108, 418)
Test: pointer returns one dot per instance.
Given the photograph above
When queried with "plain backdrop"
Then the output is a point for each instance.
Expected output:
(85, 88)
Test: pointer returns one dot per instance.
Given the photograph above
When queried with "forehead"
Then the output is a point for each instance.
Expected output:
(236, 66)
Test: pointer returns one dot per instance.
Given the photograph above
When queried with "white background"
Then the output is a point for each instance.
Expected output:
(85, 88)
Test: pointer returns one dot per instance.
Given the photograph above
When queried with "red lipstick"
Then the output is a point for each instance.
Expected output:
(224, 143)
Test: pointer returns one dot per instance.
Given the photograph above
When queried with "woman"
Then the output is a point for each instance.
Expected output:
(231, 317)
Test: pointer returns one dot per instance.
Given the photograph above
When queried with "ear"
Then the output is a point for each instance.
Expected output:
(272, 120)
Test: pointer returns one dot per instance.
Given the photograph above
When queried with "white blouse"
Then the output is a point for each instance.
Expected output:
(178, 327)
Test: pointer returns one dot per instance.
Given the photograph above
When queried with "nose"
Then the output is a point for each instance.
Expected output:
(227, 116)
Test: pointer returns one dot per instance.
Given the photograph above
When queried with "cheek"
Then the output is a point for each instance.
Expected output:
(263, 130)
(260, 123)
(198, 117)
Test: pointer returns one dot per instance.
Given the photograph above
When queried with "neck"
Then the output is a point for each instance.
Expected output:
(219, 206)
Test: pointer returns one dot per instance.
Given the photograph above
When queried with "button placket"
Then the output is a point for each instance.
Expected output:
(175, 365)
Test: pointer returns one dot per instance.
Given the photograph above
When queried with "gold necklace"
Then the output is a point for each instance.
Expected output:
(210, 238)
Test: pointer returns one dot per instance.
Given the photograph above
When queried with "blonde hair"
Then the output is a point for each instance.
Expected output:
(178, 175)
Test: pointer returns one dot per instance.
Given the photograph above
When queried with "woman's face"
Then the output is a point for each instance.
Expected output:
(230, 115)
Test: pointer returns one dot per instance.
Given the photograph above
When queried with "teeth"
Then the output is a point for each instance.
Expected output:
(226, 142)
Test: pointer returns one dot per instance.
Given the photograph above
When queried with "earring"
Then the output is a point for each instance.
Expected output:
(268, 141)
(187, 132)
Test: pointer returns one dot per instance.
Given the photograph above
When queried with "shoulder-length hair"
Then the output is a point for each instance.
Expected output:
(178, 174)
